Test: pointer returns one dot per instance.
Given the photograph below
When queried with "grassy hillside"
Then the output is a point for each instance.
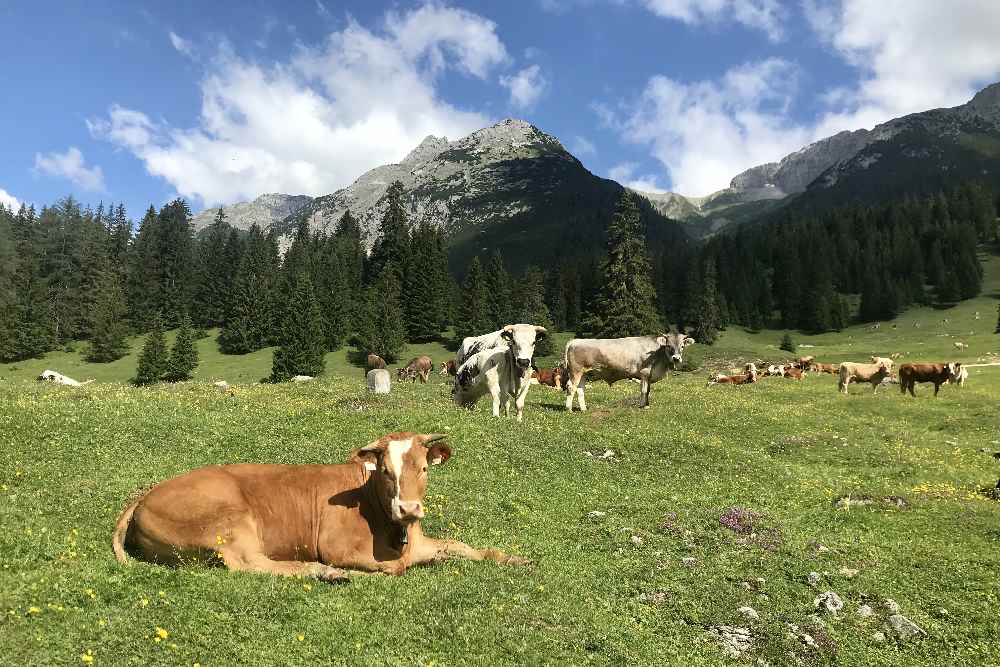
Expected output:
(607, 589)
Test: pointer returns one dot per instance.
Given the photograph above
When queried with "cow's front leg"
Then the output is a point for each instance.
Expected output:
(427, 550)
(495, 394)
(252, 561)
(644, 394)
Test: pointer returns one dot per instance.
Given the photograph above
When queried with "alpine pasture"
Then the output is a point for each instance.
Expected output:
(714, 499)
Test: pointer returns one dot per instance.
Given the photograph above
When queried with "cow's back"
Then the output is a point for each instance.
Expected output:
(472, 345)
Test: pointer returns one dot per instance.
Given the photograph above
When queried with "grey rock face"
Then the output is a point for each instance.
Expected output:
(263, 211)
(905, 628)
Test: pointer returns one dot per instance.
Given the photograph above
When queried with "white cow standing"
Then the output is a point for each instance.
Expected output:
(503, 372)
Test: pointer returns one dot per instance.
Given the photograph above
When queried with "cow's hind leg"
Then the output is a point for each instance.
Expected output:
(251, 560)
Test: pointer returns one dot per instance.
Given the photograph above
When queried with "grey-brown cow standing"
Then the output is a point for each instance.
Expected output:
(645, 358)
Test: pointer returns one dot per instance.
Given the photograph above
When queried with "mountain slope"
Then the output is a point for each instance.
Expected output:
(264, 211)
(509, 187)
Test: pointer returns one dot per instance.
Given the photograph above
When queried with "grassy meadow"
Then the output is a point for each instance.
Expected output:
(631, 563)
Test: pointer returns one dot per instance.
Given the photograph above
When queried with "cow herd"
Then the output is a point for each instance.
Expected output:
(876, 373)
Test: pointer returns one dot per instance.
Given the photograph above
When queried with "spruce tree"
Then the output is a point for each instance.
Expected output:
(626, 302)
(472, 319)
(705, 318)
(421, 287)
(109, 326)
(532, 308)
(499, 294)
(212, 292)
(383, 328)
(302, 346)
(787, 344)
(249, 320)
(183, 355)
(153, 360)
(393, 244)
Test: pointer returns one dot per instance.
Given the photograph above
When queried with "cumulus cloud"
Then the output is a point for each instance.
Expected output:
(911, 55)
(526, 87)
(71, 166)
(764, 15)
(908, 55)
(9, 200)
(705, 132)
(182, 45)
(625, 174)
(314, 123)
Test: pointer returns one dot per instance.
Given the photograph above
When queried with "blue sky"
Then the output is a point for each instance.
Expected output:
(220, 102)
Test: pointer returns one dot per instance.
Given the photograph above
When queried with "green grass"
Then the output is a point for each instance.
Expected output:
(69, 459)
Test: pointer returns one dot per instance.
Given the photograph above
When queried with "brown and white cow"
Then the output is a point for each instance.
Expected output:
(448, 368)
(960, 376)
(418, 367)
(793, 373)
(373, 362)
(298, 520)
(645, 358)
(749, 376)
(911, 374)
(503, 372)
(873, 373)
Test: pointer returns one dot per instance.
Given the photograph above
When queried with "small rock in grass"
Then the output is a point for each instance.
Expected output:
(891, 606)
(905, 628)
(813, 578)
(942, 612)
(735, 641)
(829, 601)
(848, 572)
(657, 597)
(689, 561)
(596, 514)
(864, 611)
(750, 613)
(878, 636)
(816, 621)
(636, 540)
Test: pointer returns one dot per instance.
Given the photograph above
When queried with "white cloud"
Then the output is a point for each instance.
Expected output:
(183, 46)
(72, 166)
(315, 123)
(765, 15)
(583, 146)
(526, 86)
(9, 200)
(625, 174)
(911, 55)
(706, 132)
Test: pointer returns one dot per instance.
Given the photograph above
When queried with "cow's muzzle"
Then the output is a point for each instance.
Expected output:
(676, 359)
(524, 363)
(408, 511)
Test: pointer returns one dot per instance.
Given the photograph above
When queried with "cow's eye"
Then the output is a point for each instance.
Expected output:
(424, 469)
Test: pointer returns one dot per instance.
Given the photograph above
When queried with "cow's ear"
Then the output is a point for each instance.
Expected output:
(369, 454)
(508, 332)
(689, 341)
(438, 451)
(540, 333)
(661, 340)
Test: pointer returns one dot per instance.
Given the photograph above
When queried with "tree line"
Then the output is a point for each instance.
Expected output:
(70, 273)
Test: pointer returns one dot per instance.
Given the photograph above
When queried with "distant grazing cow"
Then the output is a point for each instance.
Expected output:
(793, 373)
(59, 378)
(448, 368)
(873, 373)
(886, 360)
(503, 372)
(960, 346)
(911, 374)
(771, 371)
(817, 367)
(373, 362)
(895, 355)
(961, 374)
(748, 377)
(802, 363)
(474, 344)
(646, 358)
(417, 367)
(550, 377)
(298, 520)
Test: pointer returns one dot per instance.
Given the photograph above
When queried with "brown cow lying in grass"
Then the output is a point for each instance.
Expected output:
(550, 377)
(748, 377)
(448, 368)
(298, 520)
(911, 374)
(873, 373)
(817, 367)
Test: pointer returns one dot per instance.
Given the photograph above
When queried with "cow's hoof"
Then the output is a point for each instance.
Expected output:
(333, 575)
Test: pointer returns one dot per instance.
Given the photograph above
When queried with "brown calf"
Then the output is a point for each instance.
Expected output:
(749, 377)
(448, 368)
(550, 377)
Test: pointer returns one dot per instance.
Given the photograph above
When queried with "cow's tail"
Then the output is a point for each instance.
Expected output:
(121, 529)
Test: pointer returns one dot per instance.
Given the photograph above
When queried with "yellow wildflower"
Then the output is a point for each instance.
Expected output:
(300, 637)
(307, 587)
(87, 658)
(34, 610)
(161, 633)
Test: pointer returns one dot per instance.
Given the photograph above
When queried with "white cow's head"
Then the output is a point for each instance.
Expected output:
(522, 338)
(673, 345)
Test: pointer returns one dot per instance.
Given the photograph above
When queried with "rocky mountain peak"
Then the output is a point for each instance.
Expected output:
(987, 101)
(428, 149)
